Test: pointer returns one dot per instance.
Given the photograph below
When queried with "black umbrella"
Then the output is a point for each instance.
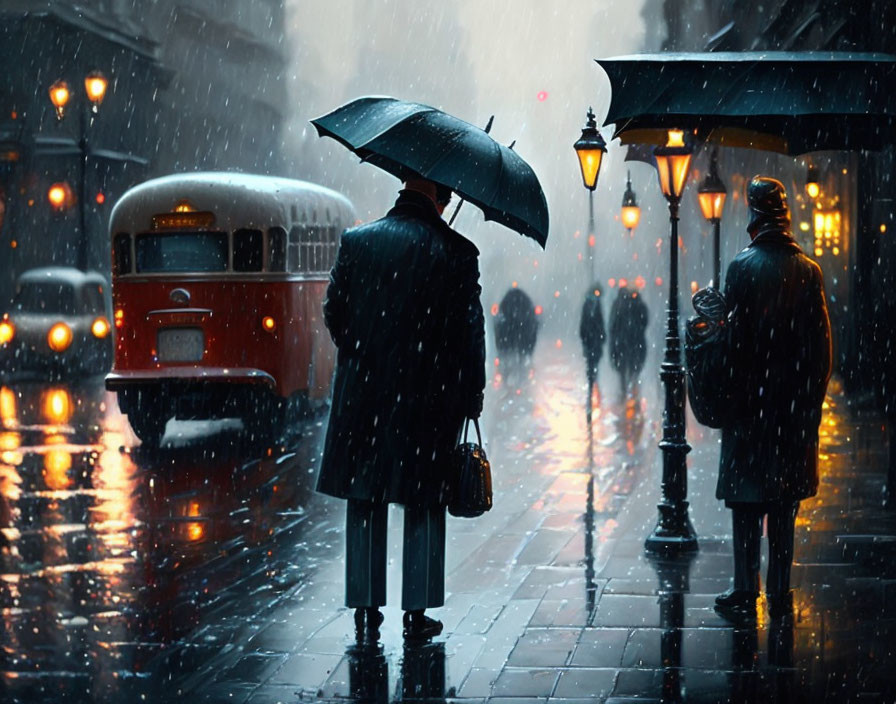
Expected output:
(408, 139)
(789, 102)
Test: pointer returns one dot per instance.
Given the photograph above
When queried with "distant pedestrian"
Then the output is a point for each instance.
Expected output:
(780, 355)
(403, 309)
(592, 333)
(516, 324)
(628, 341)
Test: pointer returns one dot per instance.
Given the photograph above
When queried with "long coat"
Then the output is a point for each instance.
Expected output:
(628, 325)
(403, 309)
(780, 356)
(592, 332)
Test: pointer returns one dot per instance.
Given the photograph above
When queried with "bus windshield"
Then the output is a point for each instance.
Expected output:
(181, 252)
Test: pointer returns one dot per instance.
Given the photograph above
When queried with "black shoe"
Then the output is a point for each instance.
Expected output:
(367, 624)
(737, 605)
(780, 606)
(419, 627)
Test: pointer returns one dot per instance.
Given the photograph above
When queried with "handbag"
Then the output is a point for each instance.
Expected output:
(471, 476)
(709, 372)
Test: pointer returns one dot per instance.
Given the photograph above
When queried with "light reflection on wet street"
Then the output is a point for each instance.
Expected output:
(110, 556)
(210, 569)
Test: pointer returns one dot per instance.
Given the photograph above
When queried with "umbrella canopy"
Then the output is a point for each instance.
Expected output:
(408, 139)
(788, 102)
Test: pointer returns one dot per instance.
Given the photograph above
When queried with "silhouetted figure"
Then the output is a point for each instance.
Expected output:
(592, 332)
(403, 309)
(628, 344)
(780, 354)
(516, 325)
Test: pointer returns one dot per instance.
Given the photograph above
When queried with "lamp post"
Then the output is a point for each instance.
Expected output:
(711, 195)
(631, 213)
(673, 532)
(95, 84)
(590, 149)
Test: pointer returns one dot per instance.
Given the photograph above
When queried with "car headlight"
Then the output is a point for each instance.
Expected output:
(7, 331)
(59, 337)
(100, 327)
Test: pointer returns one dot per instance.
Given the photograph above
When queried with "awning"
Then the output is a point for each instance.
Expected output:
(788, 102)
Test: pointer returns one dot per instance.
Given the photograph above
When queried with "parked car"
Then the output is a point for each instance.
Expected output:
(58, 324)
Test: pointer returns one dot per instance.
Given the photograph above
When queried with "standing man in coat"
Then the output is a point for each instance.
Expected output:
(780, 357)
(403, 309)
(592, 333)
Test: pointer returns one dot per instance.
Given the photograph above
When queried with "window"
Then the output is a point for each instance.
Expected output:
(92, 298)
(247, 250)
(276, 249)
(45, 297)
(121, 253)
(182, 252)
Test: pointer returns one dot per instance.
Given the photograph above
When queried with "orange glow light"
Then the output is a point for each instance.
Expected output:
(538, 310)
(95, 85)
(57, 406)
(58, 195)
(59, 337)
(8, 407)
(119, 318)
(494, 308)
(100, 327)
(59, 96)
(268, 323)
(7, 331)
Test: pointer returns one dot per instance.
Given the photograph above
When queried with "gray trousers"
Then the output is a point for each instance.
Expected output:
(423, 556)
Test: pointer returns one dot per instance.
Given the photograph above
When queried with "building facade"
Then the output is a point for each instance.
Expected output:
(191, 85)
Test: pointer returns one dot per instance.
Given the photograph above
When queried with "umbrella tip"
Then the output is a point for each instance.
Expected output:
(488, 127)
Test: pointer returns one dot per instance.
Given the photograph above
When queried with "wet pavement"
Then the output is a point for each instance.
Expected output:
(209, 571)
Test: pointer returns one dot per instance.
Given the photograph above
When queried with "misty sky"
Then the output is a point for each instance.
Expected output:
(475, 58)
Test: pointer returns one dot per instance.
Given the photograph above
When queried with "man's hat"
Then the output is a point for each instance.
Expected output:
(767, 200)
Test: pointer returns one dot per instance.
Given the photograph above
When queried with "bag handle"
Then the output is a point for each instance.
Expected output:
(476, 425)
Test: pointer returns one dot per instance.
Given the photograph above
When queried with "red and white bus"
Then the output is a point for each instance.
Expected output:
(217, 285)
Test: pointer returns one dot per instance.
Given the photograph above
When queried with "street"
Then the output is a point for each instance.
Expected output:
(210, 570)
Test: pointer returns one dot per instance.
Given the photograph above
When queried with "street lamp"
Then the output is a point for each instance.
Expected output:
(711, 195)
(812, 186)
(95, 84)
(673, 532)
(631, 213)
(590, 149)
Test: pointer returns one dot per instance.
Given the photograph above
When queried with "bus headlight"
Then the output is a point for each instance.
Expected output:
(7, 332)
(100, 327)
(268, 323)
(59, 337)
(119, 317)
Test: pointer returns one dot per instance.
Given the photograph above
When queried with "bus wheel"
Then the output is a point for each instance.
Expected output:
(149, 426)
(145, 415)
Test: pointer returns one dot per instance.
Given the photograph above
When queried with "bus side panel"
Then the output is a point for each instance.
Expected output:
(323, 351)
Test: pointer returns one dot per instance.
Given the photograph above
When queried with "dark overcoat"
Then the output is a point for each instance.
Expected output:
(591, 329)
(780, 356)
(628, 325)
(403, 309)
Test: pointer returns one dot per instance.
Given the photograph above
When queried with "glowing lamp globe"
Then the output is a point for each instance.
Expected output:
(672, 163)
(590, 149)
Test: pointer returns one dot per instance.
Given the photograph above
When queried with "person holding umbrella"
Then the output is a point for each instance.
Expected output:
(404, 312)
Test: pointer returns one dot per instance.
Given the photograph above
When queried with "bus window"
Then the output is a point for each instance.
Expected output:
(247, 250)
(182, 252)
(276, 249)
(306, 248)
(121, 253)
(332, 244)
(294, 263)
